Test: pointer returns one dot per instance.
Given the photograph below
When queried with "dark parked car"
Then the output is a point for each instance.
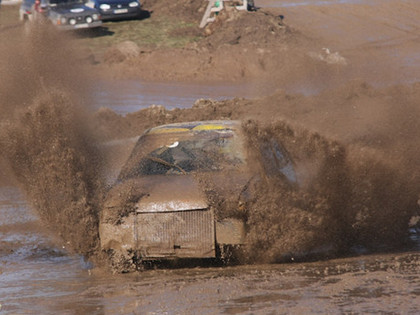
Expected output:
(116, 9)
(64, 14)
(159, 208)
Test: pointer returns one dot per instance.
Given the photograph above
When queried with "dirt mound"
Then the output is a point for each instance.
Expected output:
(231, 26)
(252, 29)
(238, 46)
(186, 10)
(122, 51)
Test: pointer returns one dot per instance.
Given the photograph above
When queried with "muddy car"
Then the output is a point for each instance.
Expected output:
(161, 206)
(63, 14)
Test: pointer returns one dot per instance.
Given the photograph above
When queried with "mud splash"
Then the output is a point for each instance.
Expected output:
(349, 197)
(56, 164)
(355, 190)
(354, 194)
(45, 139)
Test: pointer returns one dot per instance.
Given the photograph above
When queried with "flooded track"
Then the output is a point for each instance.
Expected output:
(379, 39)
(38, 276)
(381, 48)
(128, 96)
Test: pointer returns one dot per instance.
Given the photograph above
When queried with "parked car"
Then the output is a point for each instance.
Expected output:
(64, 14)
(160, 208)
(116, 9)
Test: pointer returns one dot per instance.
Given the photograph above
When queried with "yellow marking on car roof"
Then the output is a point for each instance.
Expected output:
(168, 130)
(209, 127)
(201, 127)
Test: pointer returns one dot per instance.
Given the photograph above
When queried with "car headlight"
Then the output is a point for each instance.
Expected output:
(89, 19)
(72, 21)
(133, 4)
(105, 6)
(95, 17)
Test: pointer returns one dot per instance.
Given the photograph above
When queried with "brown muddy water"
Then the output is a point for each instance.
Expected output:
(39, 277)
(126, 96)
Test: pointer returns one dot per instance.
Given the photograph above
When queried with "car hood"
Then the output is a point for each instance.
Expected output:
(172, 193)
(160, 193)
(73, 9)
(165, 193)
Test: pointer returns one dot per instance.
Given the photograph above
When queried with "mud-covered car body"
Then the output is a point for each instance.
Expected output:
(63, 14)
(161, 205)
(116, 9)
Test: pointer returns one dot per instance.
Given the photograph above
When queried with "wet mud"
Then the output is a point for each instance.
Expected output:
(352, 134)
(348, 197)
(47, 144)
(358, 184)
(354, 150)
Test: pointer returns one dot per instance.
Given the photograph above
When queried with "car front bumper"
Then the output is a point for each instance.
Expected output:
(120, 14)
(68, 27)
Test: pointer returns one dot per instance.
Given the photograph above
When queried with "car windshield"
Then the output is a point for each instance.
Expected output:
(184, 153)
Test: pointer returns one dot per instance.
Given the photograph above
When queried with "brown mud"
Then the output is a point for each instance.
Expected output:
(354, 145)
(238, 47)
(348, 196)
(46, 141)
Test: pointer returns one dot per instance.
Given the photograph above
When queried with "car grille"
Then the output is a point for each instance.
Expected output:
(184, 234)
(119, 6)
(80, 19)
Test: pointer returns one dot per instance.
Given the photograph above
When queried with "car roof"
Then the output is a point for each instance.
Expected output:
(208, 125)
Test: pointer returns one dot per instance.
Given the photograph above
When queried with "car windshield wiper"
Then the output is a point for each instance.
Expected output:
(166, 163)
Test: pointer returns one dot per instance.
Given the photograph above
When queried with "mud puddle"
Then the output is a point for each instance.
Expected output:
(127, 96)
(34, 267)
(38, 276)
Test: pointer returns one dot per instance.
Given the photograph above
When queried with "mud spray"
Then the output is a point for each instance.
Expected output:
(348, 196)
(356, 190)
(45, 140)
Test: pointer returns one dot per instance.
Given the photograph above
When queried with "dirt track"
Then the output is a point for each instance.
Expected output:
(372, 50)
(379, 38)
(362, 128)
(355, 104)
(377, 41)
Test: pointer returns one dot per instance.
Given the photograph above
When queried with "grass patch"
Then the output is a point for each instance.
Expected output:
(160, 32)
(149, 33)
